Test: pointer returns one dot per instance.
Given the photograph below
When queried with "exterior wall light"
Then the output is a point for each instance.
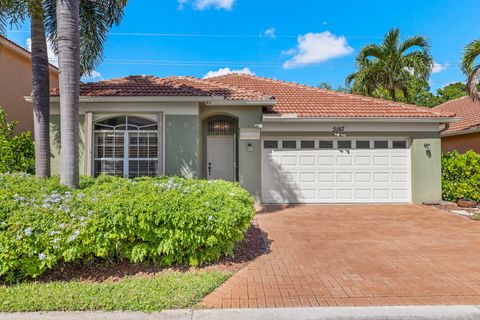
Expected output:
(250, 146)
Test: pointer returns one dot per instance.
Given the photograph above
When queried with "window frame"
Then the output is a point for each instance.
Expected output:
(126, 133)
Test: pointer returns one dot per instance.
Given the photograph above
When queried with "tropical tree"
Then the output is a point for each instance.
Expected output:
(472, 52)
(96, 19)
(391, 65)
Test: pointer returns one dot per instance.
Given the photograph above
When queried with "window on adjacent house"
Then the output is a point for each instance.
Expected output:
(270, 144)
(325, 144)
(380, 144)
(289, 144)
(126, 146)
(307, 144)
(399, 144)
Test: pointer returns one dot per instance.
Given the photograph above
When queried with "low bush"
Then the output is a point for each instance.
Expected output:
(461, 176)
(168, 220)
(17, 152)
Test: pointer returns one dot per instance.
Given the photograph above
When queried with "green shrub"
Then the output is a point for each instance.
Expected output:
(461, 176)
(167, 220)
(17, 152)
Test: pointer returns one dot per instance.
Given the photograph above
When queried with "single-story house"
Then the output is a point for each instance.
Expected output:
(463, 135)
(284, 142)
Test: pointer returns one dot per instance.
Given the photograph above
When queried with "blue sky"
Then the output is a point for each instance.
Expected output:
(306, 41)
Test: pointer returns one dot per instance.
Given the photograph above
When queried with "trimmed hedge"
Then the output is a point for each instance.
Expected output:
(168, 220)
(461, 176)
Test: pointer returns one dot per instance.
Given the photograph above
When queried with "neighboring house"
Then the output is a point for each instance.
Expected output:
(16, 83)
(284, 142)
(463, 135)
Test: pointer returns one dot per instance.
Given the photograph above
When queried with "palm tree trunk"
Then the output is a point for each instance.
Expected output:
(41, 96)
(392, 94)
(68, 38)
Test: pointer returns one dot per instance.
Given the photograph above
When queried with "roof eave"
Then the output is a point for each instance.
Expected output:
(295, 118)
(461, 132)
(89, 99)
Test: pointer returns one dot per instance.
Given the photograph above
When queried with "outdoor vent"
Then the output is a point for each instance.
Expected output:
(221, 127)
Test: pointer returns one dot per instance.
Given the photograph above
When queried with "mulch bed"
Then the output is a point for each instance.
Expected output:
(101, 270)
(452, 207)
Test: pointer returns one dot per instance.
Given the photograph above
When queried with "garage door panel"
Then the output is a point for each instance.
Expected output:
(336, 176)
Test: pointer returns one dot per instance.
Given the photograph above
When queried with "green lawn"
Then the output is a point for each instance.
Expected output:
(164, 291)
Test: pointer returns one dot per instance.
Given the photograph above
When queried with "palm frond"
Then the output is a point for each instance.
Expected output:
(415, 41)
(390, 41)
(96, 19)
(471, 53)
(369, 51)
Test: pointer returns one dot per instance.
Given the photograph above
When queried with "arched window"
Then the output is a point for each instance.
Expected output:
(126, 146)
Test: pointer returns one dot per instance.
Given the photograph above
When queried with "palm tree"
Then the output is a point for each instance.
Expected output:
(96, 19)
(472, 52)
(68, 42)
(391, 65)
(15, 11)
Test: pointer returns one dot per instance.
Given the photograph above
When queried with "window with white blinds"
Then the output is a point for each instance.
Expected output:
(126, 146)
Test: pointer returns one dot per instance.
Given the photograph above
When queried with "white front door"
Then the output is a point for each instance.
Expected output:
(221, 157)
(330, 170)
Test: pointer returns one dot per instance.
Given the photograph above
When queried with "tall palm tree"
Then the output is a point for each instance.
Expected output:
(96, 19)
(15, 11)
(472, 52)
(391, 65)
(68, 42)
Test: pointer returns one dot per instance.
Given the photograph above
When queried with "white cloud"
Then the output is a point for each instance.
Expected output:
(52, 57)
(316, 48)
(438, 67)
(205, 4)
(92, 76)
(270, 32)
(224, 71)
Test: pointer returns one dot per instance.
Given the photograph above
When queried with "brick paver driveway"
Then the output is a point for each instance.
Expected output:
(359, 255)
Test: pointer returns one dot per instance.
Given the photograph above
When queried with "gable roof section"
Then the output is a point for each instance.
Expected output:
(149, 86)
(468, 112)
(19, 49)
(306, 101)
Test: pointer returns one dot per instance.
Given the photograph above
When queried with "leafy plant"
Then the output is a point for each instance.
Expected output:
(461, 176)
(17, 152)
(171, 221)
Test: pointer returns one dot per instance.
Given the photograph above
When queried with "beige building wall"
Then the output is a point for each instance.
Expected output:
(462, 143)
(16, 83)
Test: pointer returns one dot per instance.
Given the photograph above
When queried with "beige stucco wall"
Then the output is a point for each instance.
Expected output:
(16, 83)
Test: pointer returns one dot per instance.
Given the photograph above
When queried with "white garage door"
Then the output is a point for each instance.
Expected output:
(341, 170)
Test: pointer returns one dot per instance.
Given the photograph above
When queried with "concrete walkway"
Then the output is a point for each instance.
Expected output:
(358, 255)
(324, 313)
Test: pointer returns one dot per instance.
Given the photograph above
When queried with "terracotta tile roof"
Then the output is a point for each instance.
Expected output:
(306, 101)
(149, 86)
(467, 110)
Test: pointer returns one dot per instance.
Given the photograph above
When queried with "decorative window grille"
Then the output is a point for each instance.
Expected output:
(126, 146)
(220, 127)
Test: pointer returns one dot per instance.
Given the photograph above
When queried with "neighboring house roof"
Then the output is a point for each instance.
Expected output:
(149, 86)
(282, 97)
(19, 49)
(468, 112)
(306, 101)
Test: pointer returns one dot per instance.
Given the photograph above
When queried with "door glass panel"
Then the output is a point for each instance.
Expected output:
(399, 144)
(380, 144)
(289, 144)
(324, 144)
(344, 144)
(270, 144)
(362, 144)
(307, 144)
